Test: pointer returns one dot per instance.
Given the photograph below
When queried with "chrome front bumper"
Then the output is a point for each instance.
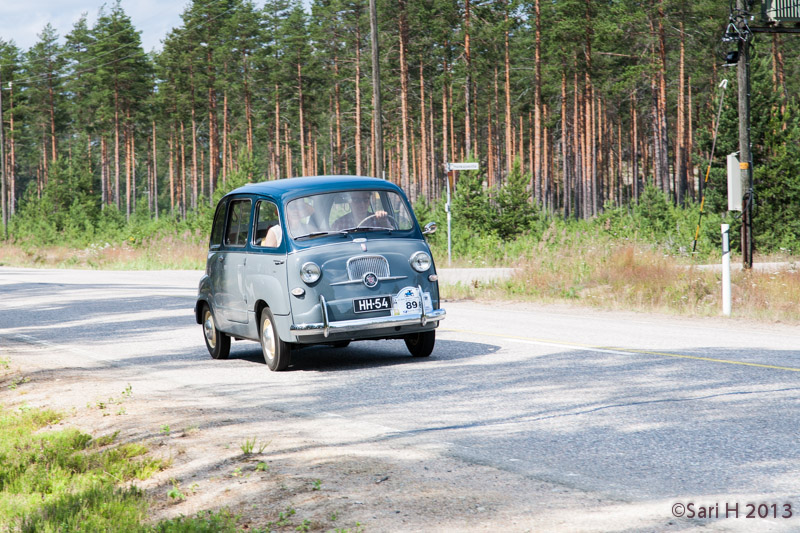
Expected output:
(326, 327)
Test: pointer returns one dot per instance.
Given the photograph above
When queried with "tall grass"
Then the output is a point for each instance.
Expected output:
(64, 480)
(185, 251)
(604, 271)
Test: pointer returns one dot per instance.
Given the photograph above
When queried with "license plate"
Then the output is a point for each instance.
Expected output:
(370, 305)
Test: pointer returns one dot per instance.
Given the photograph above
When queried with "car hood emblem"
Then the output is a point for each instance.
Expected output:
(370, 279)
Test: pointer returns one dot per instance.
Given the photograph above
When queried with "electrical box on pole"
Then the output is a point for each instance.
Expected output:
(734, 183)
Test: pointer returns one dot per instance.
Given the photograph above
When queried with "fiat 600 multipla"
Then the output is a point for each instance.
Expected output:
(318, 260)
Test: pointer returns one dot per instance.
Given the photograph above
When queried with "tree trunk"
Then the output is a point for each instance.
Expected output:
(468, 81)
(358, 102)
(213, 128)
(509, 136)
(405, 181)
(680, 148)
(338, 160)
(662, 100)
(13, 155)
(567, 187)
(154, 188)
(445, 133)
(537, 105)
(248, 106)
(224, 138)
(171, 147)
(128, 164)
(634, 148)
(423, 149)
(182, 178)
(116, 147)
(277, 151)
(377, 113)
(302, 121)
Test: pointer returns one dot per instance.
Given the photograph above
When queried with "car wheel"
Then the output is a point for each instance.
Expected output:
(218, 343)
(277, 353)
(341, 344)
(421, 344)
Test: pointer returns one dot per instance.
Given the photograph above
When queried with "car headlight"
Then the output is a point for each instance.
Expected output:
(310, 272)
(421, 261)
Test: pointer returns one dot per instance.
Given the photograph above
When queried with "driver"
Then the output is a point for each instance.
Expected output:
(360, 212)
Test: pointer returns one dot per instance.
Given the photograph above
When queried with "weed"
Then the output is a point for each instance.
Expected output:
(175, 492)
(284, 519)
(237, 471)
(334, 516)
(317, 485)
(5, 363)
(18, 381)
(305, 526)
(249, 445)
(219, 522)
(105, 440)
(165, 429)
(262, 467)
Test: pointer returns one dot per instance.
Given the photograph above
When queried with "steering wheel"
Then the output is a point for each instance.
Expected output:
(388, 217)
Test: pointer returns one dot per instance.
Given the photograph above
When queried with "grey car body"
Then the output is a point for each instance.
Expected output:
(376, 278)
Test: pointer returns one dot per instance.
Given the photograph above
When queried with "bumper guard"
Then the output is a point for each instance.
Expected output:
(326, 327)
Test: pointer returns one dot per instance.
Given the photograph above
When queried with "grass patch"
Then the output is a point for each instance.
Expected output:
(160, 252)
(612, 273)
(64, 480)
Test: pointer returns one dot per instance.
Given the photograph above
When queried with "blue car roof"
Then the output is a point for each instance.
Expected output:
(289, 188)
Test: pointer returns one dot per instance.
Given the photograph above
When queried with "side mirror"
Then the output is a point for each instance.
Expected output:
(429, 228)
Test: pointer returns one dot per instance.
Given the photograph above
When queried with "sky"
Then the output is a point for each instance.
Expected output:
(22, 20)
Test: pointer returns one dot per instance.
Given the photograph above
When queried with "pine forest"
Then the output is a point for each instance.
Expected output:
(581, 107)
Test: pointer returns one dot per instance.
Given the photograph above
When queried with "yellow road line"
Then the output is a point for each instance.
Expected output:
(605, 349)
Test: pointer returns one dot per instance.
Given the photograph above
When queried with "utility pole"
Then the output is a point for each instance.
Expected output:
(745, 155)
(377, 120)
(3, 189)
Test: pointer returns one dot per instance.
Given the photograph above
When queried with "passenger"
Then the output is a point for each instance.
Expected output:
(299, 218)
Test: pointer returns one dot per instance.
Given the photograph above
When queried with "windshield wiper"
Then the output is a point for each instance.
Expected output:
(367, 228)
(319, 234)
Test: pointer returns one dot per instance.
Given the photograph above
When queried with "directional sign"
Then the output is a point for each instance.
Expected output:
(461, 166)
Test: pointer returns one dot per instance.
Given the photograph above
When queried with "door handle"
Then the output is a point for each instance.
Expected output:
(220, 258)
(278, 261)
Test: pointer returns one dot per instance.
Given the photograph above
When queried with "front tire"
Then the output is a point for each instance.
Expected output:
(217, 342)
(277, 353)
(421, 344)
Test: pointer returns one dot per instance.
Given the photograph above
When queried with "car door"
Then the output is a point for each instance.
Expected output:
(233, 297)
(266, 266)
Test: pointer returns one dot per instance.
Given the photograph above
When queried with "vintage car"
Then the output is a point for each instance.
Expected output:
(317, 260)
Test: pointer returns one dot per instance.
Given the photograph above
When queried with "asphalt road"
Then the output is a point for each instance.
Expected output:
(636, 407)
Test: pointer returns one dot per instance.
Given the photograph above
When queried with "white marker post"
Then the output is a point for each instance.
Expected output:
(726, 271)
(451, 168)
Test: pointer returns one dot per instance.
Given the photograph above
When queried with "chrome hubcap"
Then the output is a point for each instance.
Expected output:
(267, 339)
(210, 330)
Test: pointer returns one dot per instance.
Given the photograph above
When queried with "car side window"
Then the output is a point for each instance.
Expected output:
(218, 228)
(267, 230)
(401, 215)
(238, 223)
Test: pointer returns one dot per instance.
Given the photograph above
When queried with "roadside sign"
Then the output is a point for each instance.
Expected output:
(461, 166)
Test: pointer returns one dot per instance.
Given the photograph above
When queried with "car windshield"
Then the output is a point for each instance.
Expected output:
(345, 212)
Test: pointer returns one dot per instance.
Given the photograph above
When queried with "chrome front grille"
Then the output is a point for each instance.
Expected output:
(358, 266)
